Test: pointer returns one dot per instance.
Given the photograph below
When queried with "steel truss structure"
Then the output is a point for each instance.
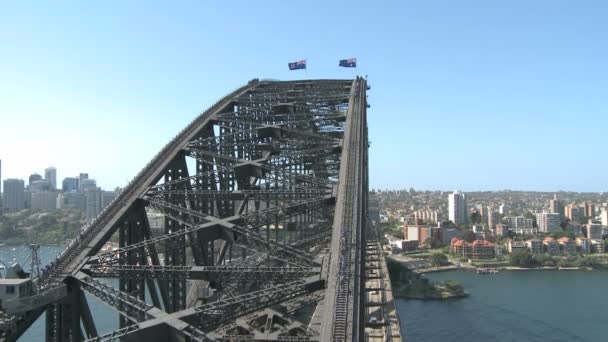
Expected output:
(264, 202)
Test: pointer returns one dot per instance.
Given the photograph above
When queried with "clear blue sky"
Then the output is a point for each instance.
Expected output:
(465, 94)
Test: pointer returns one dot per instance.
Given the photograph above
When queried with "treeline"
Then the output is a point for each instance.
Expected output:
(30, 226)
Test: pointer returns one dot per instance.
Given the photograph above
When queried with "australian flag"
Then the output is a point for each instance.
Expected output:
(297, 65)
(348, 63)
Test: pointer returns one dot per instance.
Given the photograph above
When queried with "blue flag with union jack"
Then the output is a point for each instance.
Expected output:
(348, 63)
(297, 65)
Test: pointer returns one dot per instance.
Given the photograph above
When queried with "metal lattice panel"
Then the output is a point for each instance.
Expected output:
(262, 199)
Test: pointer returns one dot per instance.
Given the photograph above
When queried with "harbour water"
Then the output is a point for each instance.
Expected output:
(513, 306)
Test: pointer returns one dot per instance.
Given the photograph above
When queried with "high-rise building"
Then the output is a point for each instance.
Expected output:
(33, 178)
(93, 203)
(106, 198)
(589, 209)
(574, 213)
(70, 184)
(39, 185)
(493, 218)
(50, 175)
(556, 206)
(81, 178)
(87, 184)
(548, 222)
(44, 200)
(72, 199)
(594, 231)
(457, 207)
(504, 209)
(14, 194)
(604, 216)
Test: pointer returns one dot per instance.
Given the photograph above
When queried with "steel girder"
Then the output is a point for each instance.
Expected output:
(268, 160)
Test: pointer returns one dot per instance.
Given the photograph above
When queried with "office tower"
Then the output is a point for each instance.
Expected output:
(44, 200)
(33, 178)
(87, 184)
(556, 206)
(50, 175)
(70, 184)
(604, 217)
(14, 194)
(39, 185)
(106, 198)
(81, 178)
(93, 203)
(457, 208)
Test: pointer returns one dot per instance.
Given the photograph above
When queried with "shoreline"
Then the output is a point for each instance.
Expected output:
(507, 269)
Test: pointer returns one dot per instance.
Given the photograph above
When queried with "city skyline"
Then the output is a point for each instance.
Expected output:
(463, 96)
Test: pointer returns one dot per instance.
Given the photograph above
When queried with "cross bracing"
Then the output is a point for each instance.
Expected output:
(260, 201)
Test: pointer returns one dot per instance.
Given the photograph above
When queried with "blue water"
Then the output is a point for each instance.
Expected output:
(106, 318)
(513, 306)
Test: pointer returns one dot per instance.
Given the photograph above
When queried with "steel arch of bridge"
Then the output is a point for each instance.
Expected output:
(264, 199)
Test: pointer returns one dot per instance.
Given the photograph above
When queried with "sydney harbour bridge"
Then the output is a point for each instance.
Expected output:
(268, 232)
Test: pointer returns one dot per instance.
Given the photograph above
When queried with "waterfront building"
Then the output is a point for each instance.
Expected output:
(50, 175)
(584, 245)
(597, 246)
(457, 208)
(548, 222)
(482, 249)
(514, 246)
(408, 246)
(535, 246)
(14, 194)
(551, 246)
(70, 184)
(44, 200)
(567, 246)
(594, 231)
(461, 248)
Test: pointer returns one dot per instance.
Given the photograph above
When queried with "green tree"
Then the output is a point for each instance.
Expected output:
(523, 259)
(438, 259)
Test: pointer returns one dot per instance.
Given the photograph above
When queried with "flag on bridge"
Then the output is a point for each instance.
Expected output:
(348, 63)
(297, 65)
